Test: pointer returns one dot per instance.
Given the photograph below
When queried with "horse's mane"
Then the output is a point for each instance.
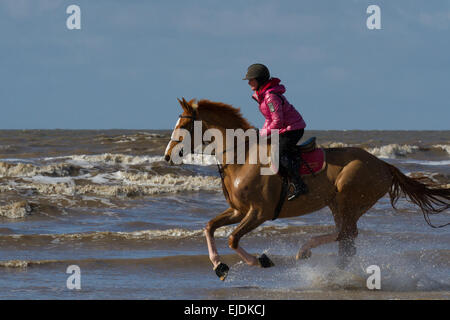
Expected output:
(227, 114)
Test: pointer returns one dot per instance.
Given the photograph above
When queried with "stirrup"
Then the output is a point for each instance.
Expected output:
(299, 189)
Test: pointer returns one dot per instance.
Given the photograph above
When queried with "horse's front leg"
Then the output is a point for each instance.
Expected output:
(251, 221)
(229, 216)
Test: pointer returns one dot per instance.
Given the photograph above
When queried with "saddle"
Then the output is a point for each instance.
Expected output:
(311, 157)
(307, 146)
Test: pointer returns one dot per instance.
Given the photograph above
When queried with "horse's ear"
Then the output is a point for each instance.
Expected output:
(185, 105)
(182, 104)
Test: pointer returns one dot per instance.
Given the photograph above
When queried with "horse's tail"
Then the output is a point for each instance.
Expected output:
(429, 198)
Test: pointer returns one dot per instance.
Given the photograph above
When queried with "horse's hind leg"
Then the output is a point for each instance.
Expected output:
(347, 248)
(347, 214)
(358, 187)
(345, 217)
(305, 250)
(346, 232)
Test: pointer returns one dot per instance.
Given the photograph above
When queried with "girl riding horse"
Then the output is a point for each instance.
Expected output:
(281, 115)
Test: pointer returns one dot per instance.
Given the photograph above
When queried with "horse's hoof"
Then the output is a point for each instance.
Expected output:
(265, 262)
(222, 271)
(304, 254)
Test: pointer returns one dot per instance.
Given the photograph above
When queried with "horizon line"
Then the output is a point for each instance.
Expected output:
(169, 129)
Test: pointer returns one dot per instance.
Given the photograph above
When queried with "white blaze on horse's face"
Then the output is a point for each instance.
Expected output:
(171, 143)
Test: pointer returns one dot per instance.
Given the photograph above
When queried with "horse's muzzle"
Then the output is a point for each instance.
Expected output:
(168, 158)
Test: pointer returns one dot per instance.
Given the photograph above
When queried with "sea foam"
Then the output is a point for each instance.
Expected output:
(393, 150)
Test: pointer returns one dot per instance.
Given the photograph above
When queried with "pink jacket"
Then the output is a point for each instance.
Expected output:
(279, 113)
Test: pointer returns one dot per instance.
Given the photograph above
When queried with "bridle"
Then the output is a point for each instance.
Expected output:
(193, 118)
(220, 167)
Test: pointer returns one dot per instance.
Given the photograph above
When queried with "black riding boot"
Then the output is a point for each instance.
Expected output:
(298, 186)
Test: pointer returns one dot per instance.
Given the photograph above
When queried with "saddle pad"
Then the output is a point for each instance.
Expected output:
(315, 160)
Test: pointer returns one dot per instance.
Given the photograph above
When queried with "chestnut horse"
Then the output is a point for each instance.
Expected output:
(351, 183)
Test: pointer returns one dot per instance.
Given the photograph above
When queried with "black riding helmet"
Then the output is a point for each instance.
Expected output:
(259, 72)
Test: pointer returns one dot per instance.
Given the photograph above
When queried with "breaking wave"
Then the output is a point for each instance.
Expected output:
(107, 159)
(8, 169)
(263, 231)
(445, 147)
(150, 185)
(393, 150)
(17, 210)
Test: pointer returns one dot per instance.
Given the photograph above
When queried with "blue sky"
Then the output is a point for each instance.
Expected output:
(132, 59)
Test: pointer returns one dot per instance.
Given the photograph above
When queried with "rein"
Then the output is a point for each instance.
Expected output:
(219, 166)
